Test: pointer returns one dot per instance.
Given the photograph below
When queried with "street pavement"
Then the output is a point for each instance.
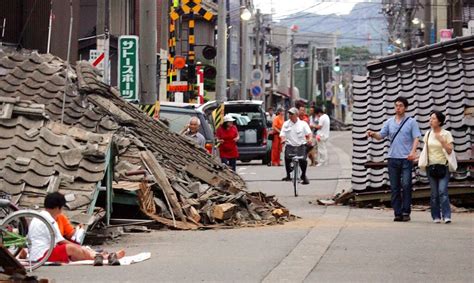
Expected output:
(328, 244)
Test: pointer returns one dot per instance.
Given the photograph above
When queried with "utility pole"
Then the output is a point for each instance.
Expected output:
(457, 7)
(221, 53)
(257, 39)
(244, 60)
(148, 52)
(428, 22)
(102, 34)
(292, 82)
(163, 50)
(272, 83)
(263, 67)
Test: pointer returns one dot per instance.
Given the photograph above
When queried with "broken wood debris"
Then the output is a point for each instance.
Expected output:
(217, 204)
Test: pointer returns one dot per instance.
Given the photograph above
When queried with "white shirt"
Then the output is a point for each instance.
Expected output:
(313, 121)
(39, 236)
(324, 122)
(295, 133)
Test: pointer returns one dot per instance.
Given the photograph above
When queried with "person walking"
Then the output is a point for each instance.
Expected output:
(295, 134)
(322, 135)
(302, 114)
(403, 133)
(227, 137)
(437, 150)
(313, 122)
(270, 115)
(276, 143)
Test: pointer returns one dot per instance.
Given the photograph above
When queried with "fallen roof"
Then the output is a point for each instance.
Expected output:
(438, 77)
(39, 156)
(191, 180)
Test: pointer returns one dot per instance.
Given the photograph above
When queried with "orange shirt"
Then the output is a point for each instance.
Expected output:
(65, 227)
(278, 122)
(304, 118)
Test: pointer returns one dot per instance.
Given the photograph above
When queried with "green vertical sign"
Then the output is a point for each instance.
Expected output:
(128, 78)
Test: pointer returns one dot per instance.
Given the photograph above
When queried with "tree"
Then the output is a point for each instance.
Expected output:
(354, 52)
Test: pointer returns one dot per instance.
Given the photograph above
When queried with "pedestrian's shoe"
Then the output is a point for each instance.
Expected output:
(437, 220)
(112, 259)
(286, 179)
(398, 218)
(447, 220)
(98, 260)
(406, 218)
(304, 181)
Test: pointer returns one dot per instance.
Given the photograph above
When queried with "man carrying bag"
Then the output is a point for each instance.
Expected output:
(403, 133)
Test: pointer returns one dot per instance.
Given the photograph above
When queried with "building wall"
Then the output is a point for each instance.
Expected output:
(27, 25)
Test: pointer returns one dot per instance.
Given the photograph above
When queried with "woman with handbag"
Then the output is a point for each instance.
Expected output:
(438, 159)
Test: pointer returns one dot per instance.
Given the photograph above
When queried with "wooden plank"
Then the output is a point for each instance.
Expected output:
(203, 174)
(223, 211)
(173, 224)
(162, 180)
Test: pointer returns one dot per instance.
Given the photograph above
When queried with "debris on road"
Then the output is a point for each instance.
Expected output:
(104, 145)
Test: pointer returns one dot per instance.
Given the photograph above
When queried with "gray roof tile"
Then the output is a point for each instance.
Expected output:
(432, 81)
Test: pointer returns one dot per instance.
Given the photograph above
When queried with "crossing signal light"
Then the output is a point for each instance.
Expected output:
(209, 52)
(191, 74)
(337, 64)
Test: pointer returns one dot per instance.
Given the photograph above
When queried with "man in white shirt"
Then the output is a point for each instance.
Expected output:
(322, 135)
(64, 250)
(295, 134)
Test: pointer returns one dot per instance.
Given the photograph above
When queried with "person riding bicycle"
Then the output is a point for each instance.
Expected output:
(295, 133)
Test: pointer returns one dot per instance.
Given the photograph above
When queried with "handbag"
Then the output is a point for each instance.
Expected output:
(270, 136)
(437, 171)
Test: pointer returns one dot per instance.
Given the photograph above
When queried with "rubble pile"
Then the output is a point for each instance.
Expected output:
(176, 183)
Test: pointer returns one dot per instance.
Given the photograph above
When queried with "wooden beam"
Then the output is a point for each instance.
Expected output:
(162, 180)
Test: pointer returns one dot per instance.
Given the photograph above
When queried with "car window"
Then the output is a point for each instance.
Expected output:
(246, 115)
(178, 120)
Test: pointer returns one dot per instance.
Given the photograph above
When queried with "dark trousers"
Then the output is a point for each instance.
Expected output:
(231, 162)
(290, 152)
(399, 172)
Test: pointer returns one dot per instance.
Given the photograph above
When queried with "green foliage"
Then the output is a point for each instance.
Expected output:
(354, 52)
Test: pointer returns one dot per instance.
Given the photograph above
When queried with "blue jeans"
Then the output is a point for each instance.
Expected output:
(231, 162)
(399, 172)
(439, 197)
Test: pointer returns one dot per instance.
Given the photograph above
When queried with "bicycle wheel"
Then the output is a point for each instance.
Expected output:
(295, 176)
(15, 235)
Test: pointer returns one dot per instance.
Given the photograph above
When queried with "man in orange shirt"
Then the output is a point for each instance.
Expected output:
(276, 143)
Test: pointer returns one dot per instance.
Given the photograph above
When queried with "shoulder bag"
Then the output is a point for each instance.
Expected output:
(398, 131)
(437, 171)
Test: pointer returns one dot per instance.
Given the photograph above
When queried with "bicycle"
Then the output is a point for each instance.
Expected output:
(295, 167)
(14, 233)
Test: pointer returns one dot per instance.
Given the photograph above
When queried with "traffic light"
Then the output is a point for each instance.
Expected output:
(191, 74)
(337, 64)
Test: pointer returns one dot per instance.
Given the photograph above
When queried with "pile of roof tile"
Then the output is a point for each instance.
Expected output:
(438, 77)
(64, 129)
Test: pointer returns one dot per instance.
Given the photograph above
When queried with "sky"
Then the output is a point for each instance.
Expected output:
(323, 7)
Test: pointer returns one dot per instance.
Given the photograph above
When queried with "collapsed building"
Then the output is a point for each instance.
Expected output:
(63, 129)
(436, 77)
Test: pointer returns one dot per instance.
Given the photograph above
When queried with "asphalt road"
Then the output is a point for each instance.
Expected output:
(329, 244)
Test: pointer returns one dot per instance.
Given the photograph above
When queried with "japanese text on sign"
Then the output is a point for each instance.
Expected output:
(128, 79)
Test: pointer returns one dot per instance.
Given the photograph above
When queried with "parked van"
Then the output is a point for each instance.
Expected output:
(252, 124)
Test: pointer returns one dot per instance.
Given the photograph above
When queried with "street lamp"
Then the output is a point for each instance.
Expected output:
(245, 15)
(221, 52)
